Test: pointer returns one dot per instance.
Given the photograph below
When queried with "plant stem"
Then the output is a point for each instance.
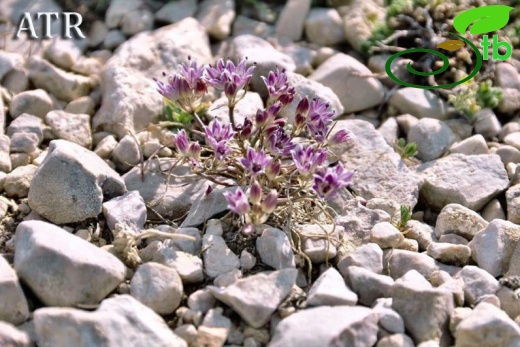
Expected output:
(231, 107)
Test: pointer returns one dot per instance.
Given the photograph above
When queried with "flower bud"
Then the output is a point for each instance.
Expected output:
(273, 169)
(194, 151)
(261, 118)
(303, 106)
(341, 136)
(230, 90)
(255, 193)
(182, 142)
(269, 204)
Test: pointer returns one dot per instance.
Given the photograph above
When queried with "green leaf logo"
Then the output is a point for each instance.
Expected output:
(483, 19)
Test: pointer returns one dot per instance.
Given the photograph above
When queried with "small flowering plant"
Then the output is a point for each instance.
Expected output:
(280, 170)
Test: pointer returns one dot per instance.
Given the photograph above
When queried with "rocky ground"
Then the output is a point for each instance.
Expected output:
(88, 207)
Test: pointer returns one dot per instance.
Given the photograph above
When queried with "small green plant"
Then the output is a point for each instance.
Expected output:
(406, 215)
(474, 97)
(380, 32)
(406, 150)
(489, 96)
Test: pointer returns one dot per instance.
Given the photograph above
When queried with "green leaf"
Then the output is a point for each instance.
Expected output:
(483, 19)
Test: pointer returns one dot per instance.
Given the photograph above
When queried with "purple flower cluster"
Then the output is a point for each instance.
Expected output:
(228, 77)
(263, 152)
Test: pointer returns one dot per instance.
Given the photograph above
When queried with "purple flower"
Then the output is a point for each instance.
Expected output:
(185, 87)
(255, 193)
(194, 152)
(341, 136)
(307, 159)
(217, 136)
(216, 131)
(278, 87)
(228, 77)
(237, 202)
(182, 142)
(327, 181)
(279, 143)
(316, 115)
(255, 162)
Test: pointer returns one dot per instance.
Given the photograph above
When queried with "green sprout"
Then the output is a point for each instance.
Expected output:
(406, 150)
(177, 117)
(473, 98)
(406, 215)
(489, 96)
(380, 32)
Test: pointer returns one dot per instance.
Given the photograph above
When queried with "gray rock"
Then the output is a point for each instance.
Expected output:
(173, 12)
(24, 143)
(117, 10)
(448, 253)
(126, 154)
(292, 18)
(228, 278)
(432, 137)
(508, 128)
(330, 290)
(395, 340)
(113, 39)
(459, 220)
(492, 247)
(314, 241)
(477, 283)
(399, 262)
(509, 301)
(367, 285)
(380, 172)
(453, 239)
(344, 75)
(513, 139)
(420, 232)
(170, 201)
(420, 103)
(26, 123)
(71, 127)
(513, 204)
(119, 321)
(320, 327)
(476, 327)
(217, 17)
(5, 159)
(389, 129)
(245, 108)
(97, 33)
(356, 26)
(256, 297)
(324, 26)
(201, 300)
(390, 320)
(13, 305)
(452, 180)
(18, 181)
(215, 328)
(137, 21)
(157, 286)
(475, 144)
(10, 336)
(64, 85)
(493, 210)
(35, 102)
(128, 209)
(63, 53)
(189, 246)
(487, 123)
(247, 260)
(425, 311)
(70, 184)
(368, 256)
(386, 235)
(508, 154)
(305, 87)
(106, 146)
(206, 206)
(218, 258)
(262, 53)
(507, 76)
(62, 269)
(246, 26)
(275, 249)
(127, 74)
(187, 265)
